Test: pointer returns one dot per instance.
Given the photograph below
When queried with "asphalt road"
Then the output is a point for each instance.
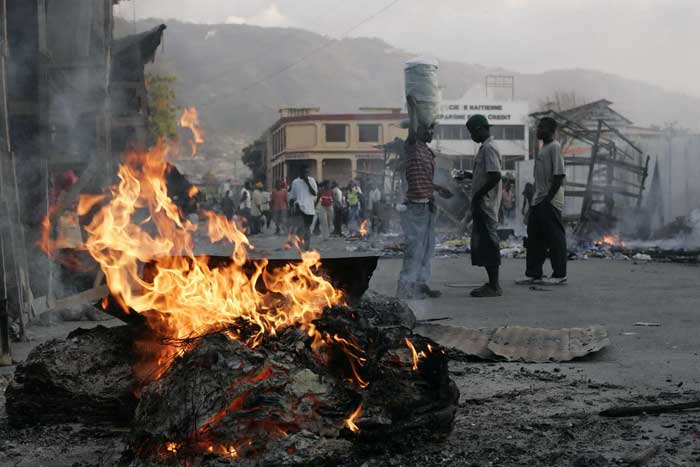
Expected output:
(614, 294)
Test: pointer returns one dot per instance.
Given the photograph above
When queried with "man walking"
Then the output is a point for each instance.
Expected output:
(279, 206)
(545, 229)
(486, 202)
(418, 218)
(303, 199)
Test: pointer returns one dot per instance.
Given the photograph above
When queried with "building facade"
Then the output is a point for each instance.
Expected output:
(338, 147)
(509, 127)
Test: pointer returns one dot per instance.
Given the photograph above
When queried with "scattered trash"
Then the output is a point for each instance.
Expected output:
(647, 324)
(641, 257)
(537, 288)
(517, 343)
(628, 333)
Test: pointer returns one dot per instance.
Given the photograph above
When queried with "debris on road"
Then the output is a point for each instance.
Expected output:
(517, 343)
(643, 324)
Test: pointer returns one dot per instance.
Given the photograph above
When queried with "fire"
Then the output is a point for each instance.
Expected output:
(611, 240)
(137, 224)
(363, 228)
(190, 119)
(193, 191)
(350, 421)
(414, 354)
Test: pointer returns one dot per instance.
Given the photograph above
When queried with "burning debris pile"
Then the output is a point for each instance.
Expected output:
(228, 359)
(366, 384)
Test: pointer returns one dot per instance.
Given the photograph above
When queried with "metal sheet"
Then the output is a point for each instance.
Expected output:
(518, 343)
(533, 345)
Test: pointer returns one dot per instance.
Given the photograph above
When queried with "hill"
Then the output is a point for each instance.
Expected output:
(240, 75)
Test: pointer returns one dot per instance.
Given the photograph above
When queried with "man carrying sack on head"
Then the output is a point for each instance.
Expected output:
(418, 211)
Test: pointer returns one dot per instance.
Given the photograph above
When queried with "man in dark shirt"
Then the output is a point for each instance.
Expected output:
(418, 217)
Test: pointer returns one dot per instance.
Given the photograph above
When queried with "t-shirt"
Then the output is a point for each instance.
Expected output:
(326, 197)
(279, 200)
(245, 201)
(353, 197)
(420, 170)
(258, 200)
(488, 160)
(549, 162)
(302, 195)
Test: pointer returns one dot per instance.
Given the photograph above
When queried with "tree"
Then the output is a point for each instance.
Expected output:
(162, 111)
(254, 159)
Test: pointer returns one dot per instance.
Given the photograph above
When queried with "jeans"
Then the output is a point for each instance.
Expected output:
(545, 230)
(418, 224)
(305, 221)
(325, 215)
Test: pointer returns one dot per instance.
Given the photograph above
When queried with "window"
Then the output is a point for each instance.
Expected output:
(336, 133)
(452, 132)
(369, 133)
(508, 132)
(515, 132)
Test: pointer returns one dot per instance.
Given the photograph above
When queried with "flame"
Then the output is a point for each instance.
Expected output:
(350, 421)
(611, 240)
(414, 354)
(193, 191)
(363, 228)
(190, 119)
(138, 224)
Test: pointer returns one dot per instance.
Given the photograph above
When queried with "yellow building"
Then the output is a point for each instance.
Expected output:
(337, 147)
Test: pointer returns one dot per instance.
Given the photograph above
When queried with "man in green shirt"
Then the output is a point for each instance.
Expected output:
(545, 229)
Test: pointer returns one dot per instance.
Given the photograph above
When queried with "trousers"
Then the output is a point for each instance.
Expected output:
(545, 231)
(418, 224)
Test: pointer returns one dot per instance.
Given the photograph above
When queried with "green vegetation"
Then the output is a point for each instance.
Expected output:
(162, 111)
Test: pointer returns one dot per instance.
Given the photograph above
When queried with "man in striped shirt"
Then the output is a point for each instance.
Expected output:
(418, 218)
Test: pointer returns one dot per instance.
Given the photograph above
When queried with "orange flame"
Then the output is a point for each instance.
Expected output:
(350, 421)
(363, 228)
(414, 354)
(190, 119)
(193, 191)
(186, 297)
(611, 240)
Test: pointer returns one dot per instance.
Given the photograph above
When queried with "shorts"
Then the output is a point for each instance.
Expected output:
(486, 250)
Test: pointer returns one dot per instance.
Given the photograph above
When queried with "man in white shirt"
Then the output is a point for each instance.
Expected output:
(373, 205)
(245, 203)
(303, 198)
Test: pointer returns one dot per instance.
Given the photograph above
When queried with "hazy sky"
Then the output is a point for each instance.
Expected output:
(650, 40)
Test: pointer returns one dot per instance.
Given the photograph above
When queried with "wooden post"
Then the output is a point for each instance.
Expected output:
(588, 197)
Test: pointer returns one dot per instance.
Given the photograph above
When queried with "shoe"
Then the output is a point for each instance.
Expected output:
(428, 292)
(486, 291)
(554, 281)
(530, 281)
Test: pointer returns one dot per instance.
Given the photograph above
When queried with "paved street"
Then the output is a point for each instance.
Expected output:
(615, 294)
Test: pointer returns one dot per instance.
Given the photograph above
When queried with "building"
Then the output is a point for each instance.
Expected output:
(509, 120)
(337, 147)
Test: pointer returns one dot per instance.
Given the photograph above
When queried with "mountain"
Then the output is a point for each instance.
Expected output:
(238, 76)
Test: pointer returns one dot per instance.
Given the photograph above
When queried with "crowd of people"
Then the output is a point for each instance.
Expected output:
(304, 208)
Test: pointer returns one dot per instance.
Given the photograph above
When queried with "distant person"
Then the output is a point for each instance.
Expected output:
(245, 204)
(302, 196)
(266, 208)
(354, 206)
(325, 209)
(374, 204)
(258, 200)
(228, 205)
(338, 206)
(279, 207)
(545, 227)
(486, 202)
(508, 203)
